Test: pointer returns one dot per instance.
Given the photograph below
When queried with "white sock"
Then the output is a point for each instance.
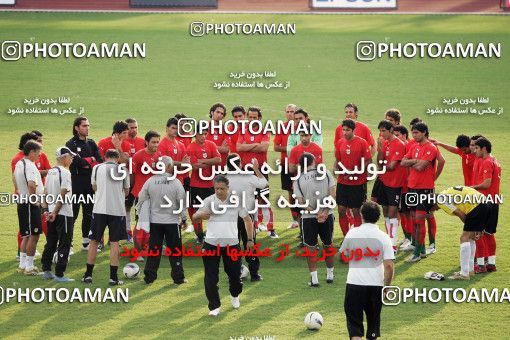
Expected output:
(480, 261)
(266, 215)
(30, 262)
(387, 224)
(22, 260)
(330, 272)
(465, 255)
(394, 230)
(492, 259)
(315, 279)
(85, 240)
(473, 252)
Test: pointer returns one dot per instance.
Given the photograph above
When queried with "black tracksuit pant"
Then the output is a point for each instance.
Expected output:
(211, 278)
(171, 233)
(59, 237)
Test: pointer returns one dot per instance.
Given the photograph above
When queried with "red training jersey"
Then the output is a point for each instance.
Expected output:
(280, 139)
(299, 149)
(175, 150)
(468, 161)
(350, 153)
(195, 152)
(135, 144)
(422, 179)
(139, 159)
(361, 130)
(185, 140)
(249, 138)
(106, 143)
(394, 151)
(219, 139)
(485, 168)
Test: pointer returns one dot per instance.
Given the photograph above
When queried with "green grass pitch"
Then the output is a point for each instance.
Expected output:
(177, 76)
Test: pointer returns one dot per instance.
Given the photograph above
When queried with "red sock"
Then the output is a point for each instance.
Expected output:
(490, 243)
(419, 227)
(260, 216)
(480, 247)
(196, 226)
(344, 224)
(19, 240)
(431, 224)
(141, 238)
(350, 219)
(357, 220)
(294, 214)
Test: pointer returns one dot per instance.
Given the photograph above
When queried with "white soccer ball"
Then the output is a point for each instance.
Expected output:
(55, 258)
(313, 321)
(131, 270)
(244, 272)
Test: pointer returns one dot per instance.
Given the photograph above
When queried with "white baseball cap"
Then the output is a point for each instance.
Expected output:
(64, 150)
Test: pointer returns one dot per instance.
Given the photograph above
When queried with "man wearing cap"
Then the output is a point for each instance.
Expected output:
(58, 192)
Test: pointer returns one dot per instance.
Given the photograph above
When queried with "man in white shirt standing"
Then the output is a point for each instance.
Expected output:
(165, 220)
(245, 186)
(111, 186)
(370, 254)
(58, 191)
(221, 241)
(27, 181)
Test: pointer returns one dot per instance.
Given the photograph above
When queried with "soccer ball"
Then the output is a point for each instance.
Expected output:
(313, 320)
(131, 270)
(244, 272)
(55, 258)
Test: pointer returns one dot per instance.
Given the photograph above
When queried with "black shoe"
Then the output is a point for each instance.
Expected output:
(100, 247)
(87, 279)
(181, 282)
(115, 282)
(314, 285)
(255, 278)
(329, 280)
(147, 281)
(199, 240)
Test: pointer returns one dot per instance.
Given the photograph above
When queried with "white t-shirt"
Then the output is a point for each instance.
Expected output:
(367, 270)
(307, 186)
(248, 184)
(222, 227)
(55, 182)
(109, 197)
(24, 172)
